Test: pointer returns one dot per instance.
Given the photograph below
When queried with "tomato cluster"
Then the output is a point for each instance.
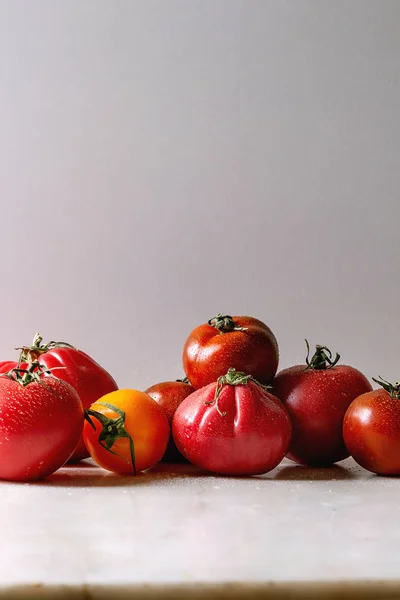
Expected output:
(232, 414)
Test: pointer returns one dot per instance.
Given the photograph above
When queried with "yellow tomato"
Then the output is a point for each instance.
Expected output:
(126, 431)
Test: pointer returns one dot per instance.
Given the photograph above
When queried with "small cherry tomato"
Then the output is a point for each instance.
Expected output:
(126, 431)
(317, 395)
(371, 429)
(243, 343)
(233, 427)
(41, 421)
(169, 395)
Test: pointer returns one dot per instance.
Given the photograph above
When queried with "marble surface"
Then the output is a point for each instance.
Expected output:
(291, 533)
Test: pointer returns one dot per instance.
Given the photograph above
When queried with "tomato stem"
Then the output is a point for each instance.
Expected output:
(112, 429)
(224, 324)
(392, 388)
(321, 359)
(32, 353)
(232, 377)
(184, 380)
(33, 372)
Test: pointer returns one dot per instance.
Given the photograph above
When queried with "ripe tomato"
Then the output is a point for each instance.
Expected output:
(169, 395)
(41, 420)
(243, 343)
(126, 431)
(75, 367)
(317, 396)
(371, 429)
(233, 427)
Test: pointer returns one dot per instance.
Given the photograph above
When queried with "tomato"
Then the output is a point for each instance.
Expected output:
(41, 420)
(317, 396)
(126, 431)
(75, 367)
(243, 343)
(8, 365)
(233, 427)
(371, 429)
(169, 395)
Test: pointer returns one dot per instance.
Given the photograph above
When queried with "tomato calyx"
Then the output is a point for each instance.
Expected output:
(32, 353)
(113, 429)
(322, 358)
(392, 388)
(224, 324)
(232, 377)
(33, 373)
(184, 380)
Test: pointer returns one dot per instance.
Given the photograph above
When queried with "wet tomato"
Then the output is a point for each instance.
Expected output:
(75, 367)
(169, 395)
(371, 429)
(317, 395)
(233, 426)
(243, 343)
(126, 431)
(41, 421)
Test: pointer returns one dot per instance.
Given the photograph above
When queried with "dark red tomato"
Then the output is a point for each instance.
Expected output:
(233, 427)
(243, 343)
(169, 395)
(78, 369)
(371, 429)
(41, 420)
(317, 396)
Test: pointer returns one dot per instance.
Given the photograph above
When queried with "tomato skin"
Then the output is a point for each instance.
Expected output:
(146, 423)
(85, 375)
(317, 401)
(169, 395)
(40, 425)
(250, 439)
(8, 365)
(208, 354)
(371, 431)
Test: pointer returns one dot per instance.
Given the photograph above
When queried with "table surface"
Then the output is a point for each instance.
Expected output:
(178, 530)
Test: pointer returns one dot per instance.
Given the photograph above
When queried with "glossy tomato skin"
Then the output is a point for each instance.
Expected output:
(208, 354)
(250, 439)
(85, 375)
(371, 431)
(169, 395)
(78, 369)
(317, 401)
(40, 425)
(146, 423)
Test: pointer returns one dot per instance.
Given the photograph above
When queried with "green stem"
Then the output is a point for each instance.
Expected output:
(32, 353)
(112, 429)
(321, 359)
(392, 388)
(224, 324)
(232, 377)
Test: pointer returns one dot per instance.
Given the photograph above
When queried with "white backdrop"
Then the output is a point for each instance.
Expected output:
(164, 160)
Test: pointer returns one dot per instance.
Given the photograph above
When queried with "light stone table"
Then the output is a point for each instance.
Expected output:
(177, 532)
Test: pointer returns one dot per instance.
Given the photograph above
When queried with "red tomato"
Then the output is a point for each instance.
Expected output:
(233, 427)
(169, 395)
(243, 343)
(41, 420)
(317, 396)
(371, 429)
(75, 367)
(126, 431)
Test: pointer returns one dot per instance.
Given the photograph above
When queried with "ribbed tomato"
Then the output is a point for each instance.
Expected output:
(233, 426)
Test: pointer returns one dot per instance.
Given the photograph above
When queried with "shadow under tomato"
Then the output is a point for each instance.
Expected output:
(304, 473)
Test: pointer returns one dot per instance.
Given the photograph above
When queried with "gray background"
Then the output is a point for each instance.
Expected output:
(161, 161)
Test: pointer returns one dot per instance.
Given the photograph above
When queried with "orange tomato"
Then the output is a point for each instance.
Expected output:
(126, 431)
